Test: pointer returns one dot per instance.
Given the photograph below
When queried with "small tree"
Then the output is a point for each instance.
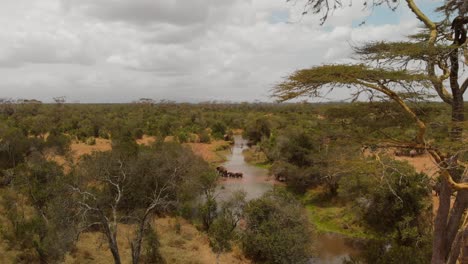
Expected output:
(277, 231)
(222, 230)
(40, 213)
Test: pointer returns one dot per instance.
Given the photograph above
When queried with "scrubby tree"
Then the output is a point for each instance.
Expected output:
(40, 213)
(223, 228)
(392, 201)
(276, 230)
(14, 146)
(258, 128)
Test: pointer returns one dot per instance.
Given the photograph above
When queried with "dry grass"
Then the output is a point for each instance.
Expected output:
(146, 140)
(188, 246)
(79, 149)
(209, 152)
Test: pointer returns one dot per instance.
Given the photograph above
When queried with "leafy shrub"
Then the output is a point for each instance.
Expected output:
(277, 230)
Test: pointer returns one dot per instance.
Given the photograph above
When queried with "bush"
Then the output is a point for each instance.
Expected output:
(277, 230)
(60, 142)
(218, 130)
(138, 133)
(205, 137)
(90, 141)
(183, 137)
(151, 253)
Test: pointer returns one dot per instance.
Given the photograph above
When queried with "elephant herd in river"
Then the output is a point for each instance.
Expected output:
(223, 172)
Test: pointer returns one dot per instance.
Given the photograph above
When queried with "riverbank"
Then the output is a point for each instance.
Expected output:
(333, 215)
(214, 152)
(256, 157)
(327, 216)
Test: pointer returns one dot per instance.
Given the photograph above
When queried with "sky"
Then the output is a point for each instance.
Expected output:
(116, 51)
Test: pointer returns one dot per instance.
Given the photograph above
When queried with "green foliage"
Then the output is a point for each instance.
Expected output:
(208, 211)
(393, 201)
(308, 82)
(90, 141)
(137, 186)
(151, 253)
(183, 136)
(40, 213)
(124, 143)
(402, 50)
(218, 130)
(14, 146)
(220, 235)
(223, 228)
(393, 253)
(58, 142)
(138, 133)
(257, 129)
(276, 230)
(204, 137)
(295, 146)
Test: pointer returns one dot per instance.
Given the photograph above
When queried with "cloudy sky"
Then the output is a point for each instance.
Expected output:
(183, 50)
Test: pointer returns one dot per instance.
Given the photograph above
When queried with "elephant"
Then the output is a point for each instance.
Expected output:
(238, 174)
(222, 171)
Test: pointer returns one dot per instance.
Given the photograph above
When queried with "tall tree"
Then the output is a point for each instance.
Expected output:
(403, 71)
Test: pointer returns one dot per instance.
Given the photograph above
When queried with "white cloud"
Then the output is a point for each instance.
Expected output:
(120, 50)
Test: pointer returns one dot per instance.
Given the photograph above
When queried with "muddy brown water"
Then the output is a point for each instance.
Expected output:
(329, 248)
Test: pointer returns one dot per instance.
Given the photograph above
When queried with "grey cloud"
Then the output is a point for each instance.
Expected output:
(186, 50)
(173, 34)
(178, 12)
(43, 48)
(164, 59)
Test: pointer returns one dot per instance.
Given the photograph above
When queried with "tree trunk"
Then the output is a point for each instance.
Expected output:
(464, 247)
(439, 246)
(115, 251)
(456, 215)
(136, 243)
(457, 104)
(111, 236)
(456, 247)
(445, 232)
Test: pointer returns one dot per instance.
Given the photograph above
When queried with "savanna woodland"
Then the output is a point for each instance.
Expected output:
(380, 179)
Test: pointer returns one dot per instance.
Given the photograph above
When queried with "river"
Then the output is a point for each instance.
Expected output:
(330, 248)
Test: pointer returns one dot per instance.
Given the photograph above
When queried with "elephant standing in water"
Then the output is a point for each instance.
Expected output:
(222, 171)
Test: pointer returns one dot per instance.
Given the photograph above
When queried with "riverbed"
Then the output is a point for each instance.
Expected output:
(329, 248)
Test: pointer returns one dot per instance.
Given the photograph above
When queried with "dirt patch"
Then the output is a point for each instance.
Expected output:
(210, 152)
(146, 140)
(422, 163)
(79, 149)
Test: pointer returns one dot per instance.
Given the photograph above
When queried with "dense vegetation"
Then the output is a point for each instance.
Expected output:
(317, 149)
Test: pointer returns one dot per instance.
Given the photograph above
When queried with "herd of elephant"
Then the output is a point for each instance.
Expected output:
(223, 172)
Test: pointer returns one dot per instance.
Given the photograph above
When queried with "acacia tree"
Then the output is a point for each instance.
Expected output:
(427, 62)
